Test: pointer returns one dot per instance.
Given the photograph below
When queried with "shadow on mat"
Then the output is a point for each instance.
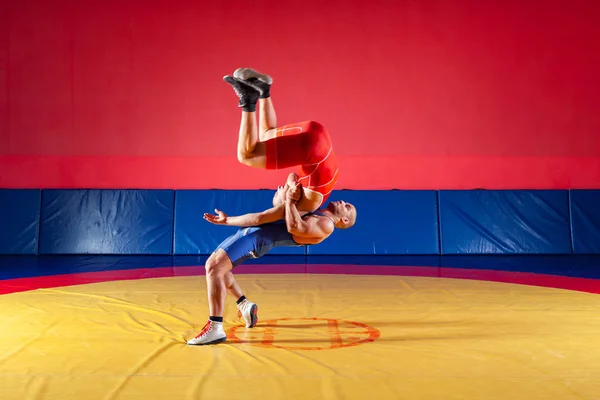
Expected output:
(398, 324)
(392, 339)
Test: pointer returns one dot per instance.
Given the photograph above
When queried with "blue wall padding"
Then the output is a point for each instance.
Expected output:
(19, 221)
(585, 221)
(106, 222)
(388, 222)
(194, 235)
(505, 222)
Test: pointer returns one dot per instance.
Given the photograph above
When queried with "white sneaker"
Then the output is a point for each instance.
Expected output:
(249, 311)
(247, 73)
(212, 333)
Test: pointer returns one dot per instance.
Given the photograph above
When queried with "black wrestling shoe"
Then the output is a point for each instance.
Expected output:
(260, 82)
(248, 95)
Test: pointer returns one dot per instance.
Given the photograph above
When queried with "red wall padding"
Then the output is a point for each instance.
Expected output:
(416, 94)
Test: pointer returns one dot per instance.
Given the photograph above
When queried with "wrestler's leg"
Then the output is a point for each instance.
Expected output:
(217, 266)
(232, 286)
(246, 309)
(267, 120)
(292, 145)
(219, 261)
(262, 83)
(250, 151)
(220, 281)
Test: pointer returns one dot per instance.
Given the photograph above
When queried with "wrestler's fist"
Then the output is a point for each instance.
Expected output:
(219, 219)
(294, 192)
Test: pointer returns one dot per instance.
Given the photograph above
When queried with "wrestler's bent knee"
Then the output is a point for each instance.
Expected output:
(217, 264)
(242, 157)
(256, 158)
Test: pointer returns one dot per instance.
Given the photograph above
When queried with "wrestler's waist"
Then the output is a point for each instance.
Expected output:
(321, 178)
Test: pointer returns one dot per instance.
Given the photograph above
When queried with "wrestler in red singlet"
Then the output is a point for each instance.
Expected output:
(307, 145)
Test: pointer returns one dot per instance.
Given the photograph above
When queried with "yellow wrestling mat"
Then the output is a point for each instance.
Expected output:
(319, 337)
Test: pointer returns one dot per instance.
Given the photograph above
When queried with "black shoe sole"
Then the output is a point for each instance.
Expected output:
(251, 73)
(253, 316)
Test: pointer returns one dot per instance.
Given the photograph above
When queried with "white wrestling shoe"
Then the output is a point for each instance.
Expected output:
(212, 333)
(249, 311)
(247, 73)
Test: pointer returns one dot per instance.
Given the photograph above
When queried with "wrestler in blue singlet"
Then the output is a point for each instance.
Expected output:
(256, 241)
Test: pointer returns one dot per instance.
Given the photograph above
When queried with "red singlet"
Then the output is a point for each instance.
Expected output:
(307, 145)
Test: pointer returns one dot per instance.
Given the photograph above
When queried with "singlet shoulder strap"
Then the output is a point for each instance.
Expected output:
(317, 212)
(320, 214)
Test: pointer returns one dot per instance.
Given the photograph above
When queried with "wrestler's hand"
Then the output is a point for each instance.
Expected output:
(294, 192)
(219, 219)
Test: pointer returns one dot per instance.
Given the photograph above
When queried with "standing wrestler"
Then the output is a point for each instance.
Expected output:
(254, 242)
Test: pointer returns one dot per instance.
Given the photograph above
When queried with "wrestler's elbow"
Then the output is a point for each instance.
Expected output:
(292, 227)
(296, 229)
(256, 220)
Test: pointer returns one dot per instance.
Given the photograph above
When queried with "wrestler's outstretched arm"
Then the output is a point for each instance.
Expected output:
(254, 219)
(251, 219)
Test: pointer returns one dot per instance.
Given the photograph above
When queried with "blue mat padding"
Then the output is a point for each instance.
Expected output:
(388, 222)
(505, 222)
(395, 222)
(19, 221)
(585, 221)
(106, 222)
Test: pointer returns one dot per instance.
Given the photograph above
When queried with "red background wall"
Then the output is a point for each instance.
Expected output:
(416, 94)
